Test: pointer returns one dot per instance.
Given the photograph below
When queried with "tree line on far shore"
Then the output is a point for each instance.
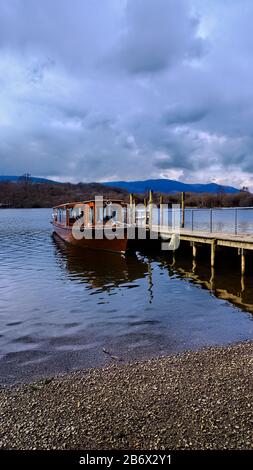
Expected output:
(26, 194)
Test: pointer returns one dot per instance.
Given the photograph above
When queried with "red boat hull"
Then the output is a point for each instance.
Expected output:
(115, 245)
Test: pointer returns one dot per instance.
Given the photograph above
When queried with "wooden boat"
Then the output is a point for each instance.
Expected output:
(93, 225)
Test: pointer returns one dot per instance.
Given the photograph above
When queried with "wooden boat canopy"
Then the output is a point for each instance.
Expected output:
(67, 214)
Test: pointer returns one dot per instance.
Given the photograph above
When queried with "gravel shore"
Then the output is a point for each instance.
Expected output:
(195, 400)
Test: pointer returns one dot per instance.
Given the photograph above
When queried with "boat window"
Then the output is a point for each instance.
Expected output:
(64, 216)
(72, 216)
(91, 215)
(59, 215)
(124, 214)
(75, 213)
(111, 213)
(115, 215)
(100, 214)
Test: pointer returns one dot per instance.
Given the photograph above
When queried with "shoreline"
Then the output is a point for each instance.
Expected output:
(193, 400)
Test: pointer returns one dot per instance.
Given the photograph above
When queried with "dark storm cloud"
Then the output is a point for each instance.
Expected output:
(125, 89)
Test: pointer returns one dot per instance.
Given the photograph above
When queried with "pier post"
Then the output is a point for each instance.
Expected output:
(213, 251)
(242, 284)
(145, 207)
(161, 211)
(211, 282)
(150, 209)
(150, 196)
(183, 209)
(194, 256)
(132, 209)
(243, 264)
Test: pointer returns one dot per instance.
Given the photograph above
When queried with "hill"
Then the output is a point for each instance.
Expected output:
(32, 179)
(170, 186)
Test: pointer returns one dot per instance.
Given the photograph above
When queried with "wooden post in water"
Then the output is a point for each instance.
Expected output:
(183, 209)
(243, 265)
(211, 282)
(242, 284)
(213, 250)
(194, 256)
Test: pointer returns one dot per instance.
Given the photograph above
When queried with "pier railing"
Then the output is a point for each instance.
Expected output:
(233, 220)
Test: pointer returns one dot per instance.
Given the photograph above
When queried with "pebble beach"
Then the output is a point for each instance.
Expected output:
(194, 400)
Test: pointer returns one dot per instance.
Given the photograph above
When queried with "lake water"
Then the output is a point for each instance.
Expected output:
(61, 309)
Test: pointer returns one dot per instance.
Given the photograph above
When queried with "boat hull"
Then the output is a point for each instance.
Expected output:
(116, 245)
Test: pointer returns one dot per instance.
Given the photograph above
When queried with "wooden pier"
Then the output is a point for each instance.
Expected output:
(241, 242)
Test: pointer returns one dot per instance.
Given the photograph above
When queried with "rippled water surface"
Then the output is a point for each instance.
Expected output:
(62, 309)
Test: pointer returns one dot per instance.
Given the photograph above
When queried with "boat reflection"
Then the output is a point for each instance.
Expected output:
(101, 270)
(105, 271)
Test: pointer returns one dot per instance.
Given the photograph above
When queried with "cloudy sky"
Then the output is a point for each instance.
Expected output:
(127, 89)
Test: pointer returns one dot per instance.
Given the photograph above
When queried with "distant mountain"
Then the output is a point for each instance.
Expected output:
(156, 185)
(33, 179)
(169, 186)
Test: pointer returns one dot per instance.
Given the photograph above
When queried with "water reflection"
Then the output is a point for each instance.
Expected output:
(100, 270)
(225, 282)
(107, 271)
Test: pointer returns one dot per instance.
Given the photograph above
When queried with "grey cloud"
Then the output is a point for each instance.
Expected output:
(126, 89)
(157, 35)
(63, 31)
(181, 115)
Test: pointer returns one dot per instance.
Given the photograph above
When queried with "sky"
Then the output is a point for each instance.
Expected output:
(104, 90)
